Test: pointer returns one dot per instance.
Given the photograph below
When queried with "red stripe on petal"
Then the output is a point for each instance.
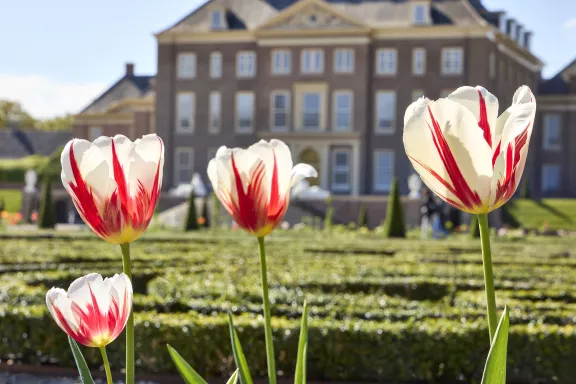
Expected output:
(484, 124)
(496, 154)
(121, 184)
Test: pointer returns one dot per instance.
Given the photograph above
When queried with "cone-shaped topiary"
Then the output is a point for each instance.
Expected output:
(362, 216)
(474, 230)
(329, 214)
(206, 212)
(215, 218)
(525, 191)
(47, 214)
(191, 223)
(394, 223)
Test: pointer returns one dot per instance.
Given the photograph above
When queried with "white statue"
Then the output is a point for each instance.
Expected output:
(198, 185)
(30, 178)
(415, 185)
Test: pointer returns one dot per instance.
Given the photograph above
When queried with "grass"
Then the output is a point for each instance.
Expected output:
(12, 199)
(553, 213)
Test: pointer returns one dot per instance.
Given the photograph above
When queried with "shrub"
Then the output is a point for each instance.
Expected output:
(394, 223)
(474, 231)
(525, 192)
(47, 214)
(362, 216)
(206, 212)
(191, 223)
(329, 214)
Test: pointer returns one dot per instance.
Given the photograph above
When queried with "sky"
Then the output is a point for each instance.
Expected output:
(56, 56)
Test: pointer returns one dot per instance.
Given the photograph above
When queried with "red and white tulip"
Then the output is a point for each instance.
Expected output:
(94, 311)
(254, 184)
(114, 183)
(464, 152)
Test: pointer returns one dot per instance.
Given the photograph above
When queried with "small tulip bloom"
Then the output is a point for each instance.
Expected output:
(93, 311)
(114, 183)
(464, 152)
(254, 184)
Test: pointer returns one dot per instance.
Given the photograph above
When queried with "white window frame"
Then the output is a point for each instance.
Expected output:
(335, 111)
(547, 120)
(219, 17)
(91, 135)
(215, 112)
(383, 187)
(245, 69)
(179, 127)
(419, 61)
(304, 111)
(335, 169)
(544, 177)
(216, 65)
(378, 112)
(187, 64)
(316, 61)
(415, 19)
(273, 111)
(282, 57)
(178, 166)
(446, 58)
(417, 93)
(383, 67)
(344, 60)
(238, 127)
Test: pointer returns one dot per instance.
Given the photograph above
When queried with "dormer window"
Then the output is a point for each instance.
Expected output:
(217, 19)
(419, 14)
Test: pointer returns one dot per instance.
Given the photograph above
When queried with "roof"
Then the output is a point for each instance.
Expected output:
(15, 144)
(134, 86)
(557, 85)
(10, 147)
(45, 143)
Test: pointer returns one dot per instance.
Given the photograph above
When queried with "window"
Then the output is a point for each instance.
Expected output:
(184, 166)
(419, 61)
(246, 64)
(311, 111)
(280, 110)
(419, 14)
(552, 132)
(215, 112)
(281, 62)
(94, 133)
(217, 19)
(452, 61)
(550, 177)
(341, 170)
(343, 61)
(215, 65)
(492, 65)
(343, 110)
(416, 94)
(187, 65)
(385, 111)
(244, 112)
(185, 111)
(386, 61)
(383, 170)
(312, 61)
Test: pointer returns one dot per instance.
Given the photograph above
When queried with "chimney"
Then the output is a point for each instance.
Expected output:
(520, 35)
(511, 29)
(129, 69)
(527, 39)
(502, 22)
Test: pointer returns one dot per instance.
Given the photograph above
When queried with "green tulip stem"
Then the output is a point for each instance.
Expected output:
(267, 320)
(130, 324)
(488, 275)
(106, 365)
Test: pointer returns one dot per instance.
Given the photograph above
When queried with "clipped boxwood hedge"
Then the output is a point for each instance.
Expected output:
(437, 351)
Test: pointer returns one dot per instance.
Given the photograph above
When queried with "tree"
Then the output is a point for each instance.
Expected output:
(191, 223)
(474, 230)
(394, 225)
(12, 112)
(362, 216)
(59, 123)
(206, 212)
(47, 214)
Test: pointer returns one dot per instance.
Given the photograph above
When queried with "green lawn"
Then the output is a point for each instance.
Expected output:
(557, 213)
(396, 311)
(12, 199)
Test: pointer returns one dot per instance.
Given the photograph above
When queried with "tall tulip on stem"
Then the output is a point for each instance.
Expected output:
(254, 187)
(115, 184)
(472, 158)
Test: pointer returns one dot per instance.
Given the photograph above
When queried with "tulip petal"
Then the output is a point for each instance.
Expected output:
(415, 106)
(453, 160)
(300, 172)
(483, 105)
(147, 158)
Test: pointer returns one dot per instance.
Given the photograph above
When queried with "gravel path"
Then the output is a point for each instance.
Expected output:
(23, 378)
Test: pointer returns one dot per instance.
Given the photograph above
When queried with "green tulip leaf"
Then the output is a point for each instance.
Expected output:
(239, 357)
(83, 370)
(300, 376)
(495, 369)
(188, 373)
(234, 378)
